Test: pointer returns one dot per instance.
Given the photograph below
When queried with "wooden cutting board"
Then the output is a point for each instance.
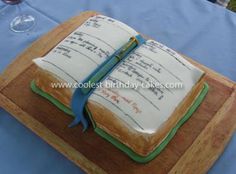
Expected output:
(194, 149)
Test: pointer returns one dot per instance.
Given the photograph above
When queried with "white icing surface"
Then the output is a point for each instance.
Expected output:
(84, 49)
(144, 110)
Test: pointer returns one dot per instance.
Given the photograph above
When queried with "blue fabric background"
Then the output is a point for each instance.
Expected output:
(196, 28)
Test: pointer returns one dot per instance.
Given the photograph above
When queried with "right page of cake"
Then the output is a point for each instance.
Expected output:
(147, 86)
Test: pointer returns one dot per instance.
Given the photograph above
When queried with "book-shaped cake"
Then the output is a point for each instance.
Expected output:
(143, 92)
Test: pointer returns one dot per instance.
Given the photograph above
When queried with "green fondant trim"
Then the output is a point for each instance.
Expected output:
(136, 157)
(144, 159)
(56, 102)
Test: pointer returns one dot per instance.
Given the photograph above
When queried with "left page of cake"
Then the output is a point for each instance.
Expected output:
(75, 57)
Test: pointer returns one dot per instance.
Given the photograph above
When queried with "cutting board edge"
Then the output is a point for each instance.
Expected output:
(52, 139)
(216, 134)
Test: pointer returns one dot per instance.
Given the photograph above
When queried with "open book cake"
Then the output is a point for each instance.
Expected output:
(145, 96)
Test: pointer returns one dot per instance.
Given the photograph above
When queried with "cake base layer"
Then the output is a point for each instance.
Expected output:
(117, 143)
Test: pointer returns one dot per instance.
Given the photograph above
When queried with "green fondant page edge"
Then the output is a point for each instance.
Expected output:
(56, 102)
(136, 157)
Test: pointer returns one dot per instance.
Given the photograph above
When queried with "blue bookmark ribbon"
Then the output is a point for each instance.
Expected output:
(81, 95)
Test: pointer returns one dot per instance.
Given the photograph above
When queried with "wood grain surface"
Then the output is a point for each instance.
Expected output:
(196, 146)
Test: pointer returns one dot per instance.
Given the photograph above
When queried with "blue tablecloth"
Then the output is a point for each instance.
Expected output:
(196, 28)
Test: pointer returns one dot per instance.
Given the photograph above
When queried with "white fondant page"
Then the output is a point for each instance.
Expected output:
(74, 58)
(145, 110)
